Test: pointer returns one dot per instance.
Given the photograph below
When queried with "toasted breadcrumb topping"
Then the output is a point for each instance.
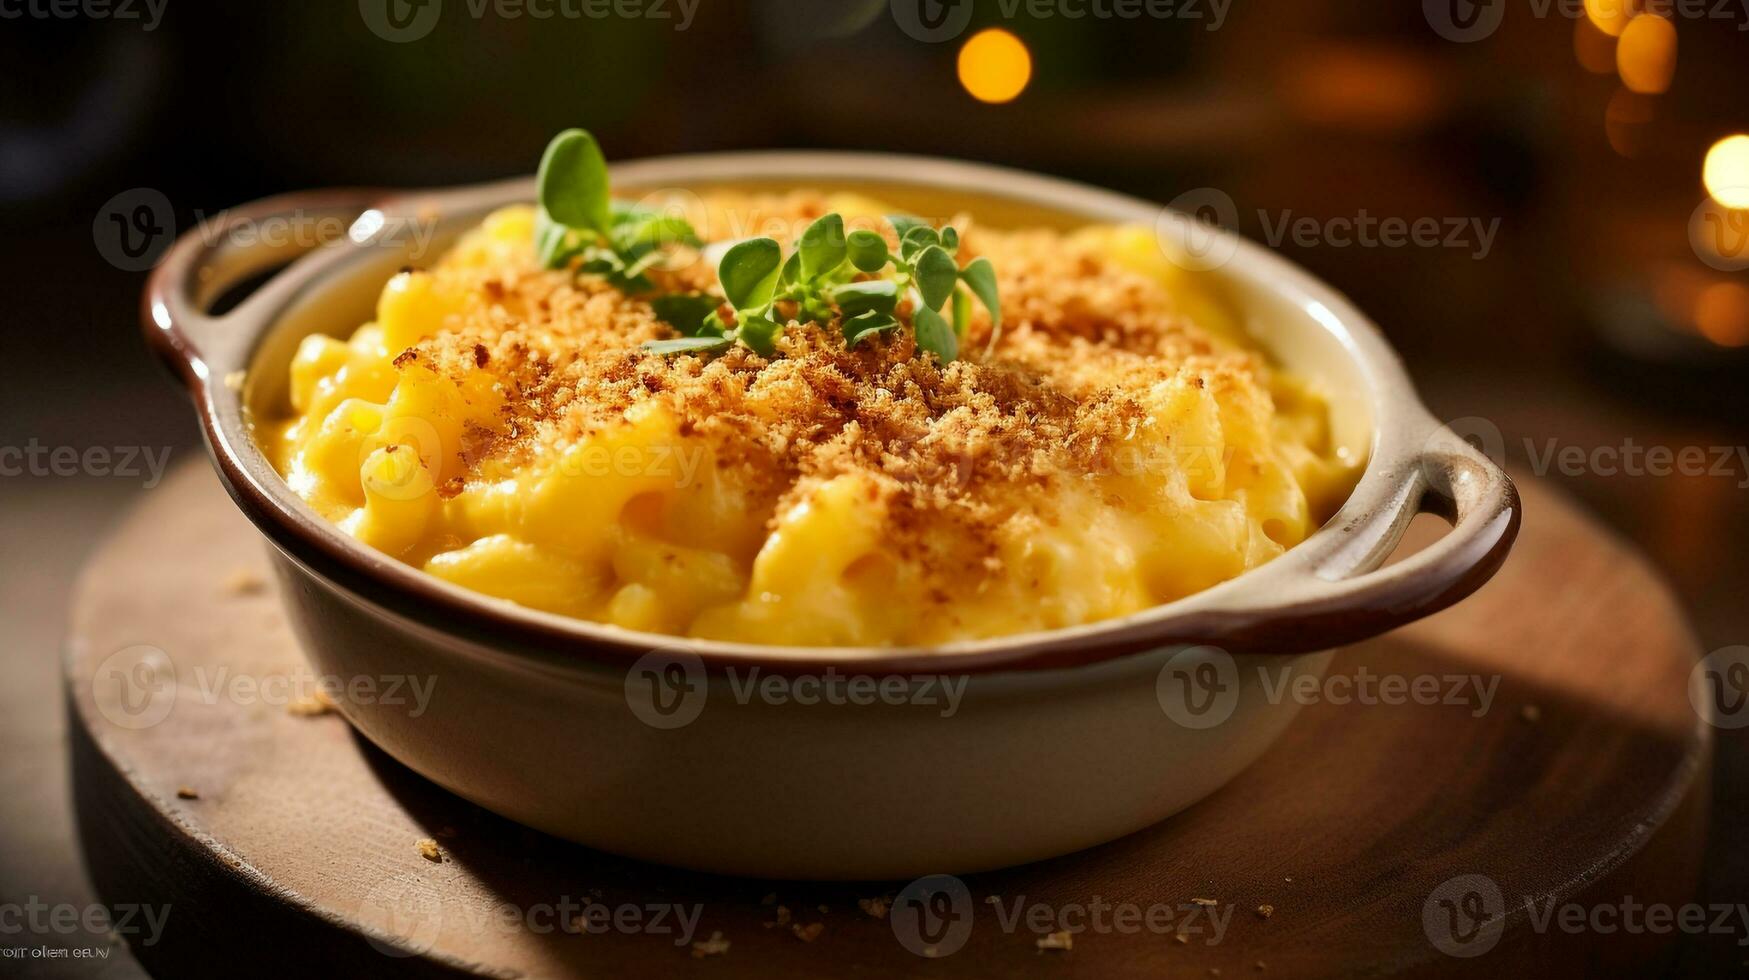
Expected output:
(1084, 342)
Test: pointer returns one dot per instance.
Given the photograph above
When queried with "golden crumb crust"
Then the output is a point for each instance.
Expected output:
(1099, 387)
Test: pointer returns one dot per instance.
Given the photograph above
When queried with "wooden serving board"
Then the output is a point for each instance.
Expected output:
(294, 850)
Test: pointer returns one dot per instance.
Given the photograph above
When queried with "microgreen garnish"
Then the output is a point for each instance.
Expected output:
(578, 220)
(818, 278)
(579, 225)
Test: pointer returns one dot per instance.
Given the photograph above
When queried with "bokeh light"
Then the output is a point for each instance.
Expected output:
(1610, 16)
(1721, 314)
(995, 66)
(1594, 49)
(1726, 171)
(1646, 54)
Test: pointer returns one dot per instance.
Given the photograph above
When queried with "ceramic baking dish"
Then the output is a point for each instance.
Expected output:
(657, 747)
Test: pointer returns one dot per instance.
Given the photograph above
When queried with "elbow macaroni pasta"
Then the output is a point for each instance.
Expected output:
(649, 523)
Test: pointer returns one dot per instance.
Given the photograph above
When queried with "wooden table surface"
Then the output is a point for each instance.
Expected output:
(1560, 762)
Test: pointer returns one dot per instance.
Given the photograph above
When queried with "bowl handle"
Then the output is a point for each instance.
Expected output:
(206, 262)
(1342, 595)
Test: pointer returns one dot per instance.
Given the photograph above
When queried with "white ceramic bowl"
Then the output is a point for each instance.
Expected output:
(654, 747)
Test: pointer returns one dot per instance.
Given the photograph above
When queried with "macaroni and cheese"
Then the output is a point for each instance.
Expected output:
(1121, 445)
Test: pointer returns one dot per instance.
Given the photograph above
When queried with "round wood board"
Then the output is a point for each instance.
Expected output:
(286, 842)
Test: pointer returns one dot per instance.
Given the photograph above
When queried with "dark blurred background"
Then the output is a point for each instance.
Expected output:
(1608, 305)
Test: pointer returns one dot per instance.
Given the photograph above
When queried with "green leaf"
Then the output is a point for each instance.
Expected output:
(688, 345)
(950, 239)
(934, 335)
(642, 264)
(653, 230)
(903, 223)
(573, 182)
(962, 312)
(916, 240)
(858, 328)
(685, 312)
(868, 251)
(856, 298)
(748, 273)
(822, 247)
(936, 274)
(792, 270)
(554, 244)
(759, 333)
(980, 275)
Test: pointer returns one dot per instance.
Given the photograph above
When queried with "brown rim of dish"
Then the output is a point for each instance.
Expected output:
(1451, 480)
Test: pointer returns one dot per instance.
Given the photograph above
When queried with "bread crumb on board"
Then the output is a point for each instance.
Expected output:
(184, 793)
(1265, 911)
(245, 581)
(875, 907)
(428, 849)
(808, 933)
(716, 945)
(311, 705)
(1056, 940)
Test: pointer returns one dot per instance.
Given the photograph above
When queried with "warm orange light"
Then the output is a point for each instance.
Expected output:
(1364, 86)
(1627, 121)
(1646, 54)
(1610, 16)
(1594, 49)
(1726, 171)
(995, 66)
(1721, 314)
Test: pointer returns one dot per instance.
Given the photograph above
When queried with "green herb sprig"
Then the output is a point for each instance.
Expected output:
(819, 278)
(580, 224)
(579, 219)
